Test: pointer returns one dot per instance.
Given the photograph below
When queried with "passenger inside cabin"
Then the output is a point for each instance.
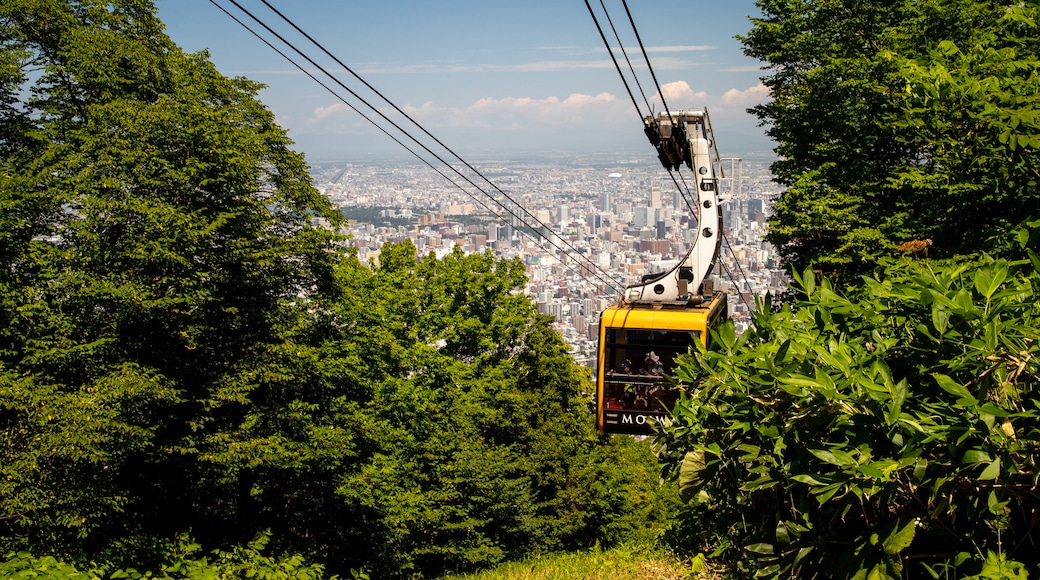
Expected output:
(652, 364)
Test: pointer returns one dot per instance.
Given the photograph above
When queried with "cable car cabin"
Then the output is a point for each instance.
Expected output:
(638, 345)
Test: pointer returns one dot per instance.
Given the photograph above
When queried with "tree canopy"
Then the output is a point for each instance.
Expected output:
(899, 121)
(154, 239)
(884, 423)
(188, 353)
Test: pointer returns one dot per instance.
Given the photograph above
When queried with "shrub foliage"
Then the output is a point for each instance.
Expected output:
(891, 427)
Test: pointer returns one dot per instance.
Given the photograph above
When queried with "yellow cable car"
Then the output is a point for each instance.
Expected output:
(638, 346)
(661, 317)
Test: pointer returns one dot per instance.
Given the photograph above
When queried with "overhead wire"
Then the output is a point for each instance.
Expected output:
(531, 216)
(617, 66)
(595, 270)
(347, 103)
(621, 47)
(684, 190)
(649, 67)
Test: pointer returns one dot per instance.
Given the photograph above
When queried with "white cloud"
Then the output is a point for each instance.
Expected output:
(680, 95)
(747, 97)
(428, 113)
(529, 113)
(333, 111)
(518, 112)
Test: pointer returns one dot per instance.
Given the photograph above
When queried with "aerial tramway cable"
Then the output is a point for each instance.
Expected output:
(595, 270)
(621, 46)
(684, 190)
(645, 56)
(531, 216)
(356, 110)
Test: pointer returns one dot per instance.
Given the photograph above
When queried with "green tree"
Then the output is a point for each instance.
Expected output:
(885, 430)
(898, 120)
(154, 237)
(476, 443)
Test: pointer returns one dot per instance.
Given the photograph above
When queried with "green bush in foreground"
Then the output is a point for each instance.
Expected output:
(186, 563)
(880, 431)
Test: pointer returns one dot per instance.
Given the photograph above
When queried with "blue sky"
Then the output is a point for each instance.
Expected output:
(489, 77)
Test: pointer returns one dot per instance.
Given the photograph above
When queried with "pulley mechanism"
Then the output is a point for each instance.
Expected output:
(685, 138)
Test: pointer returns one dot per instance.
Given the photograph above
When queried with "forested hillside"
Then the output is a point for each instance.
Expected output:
(187, 364)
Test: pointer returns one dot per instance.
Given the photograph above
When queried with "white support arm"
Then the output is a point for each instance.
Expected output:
(683, 282)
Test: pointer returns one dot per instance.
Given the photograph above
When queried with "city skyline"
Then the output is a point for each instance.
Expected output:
(500, 79)
(627, 223)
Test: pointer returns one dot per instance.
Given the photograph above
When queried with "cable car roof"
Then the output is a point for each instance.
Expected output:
(682, 318)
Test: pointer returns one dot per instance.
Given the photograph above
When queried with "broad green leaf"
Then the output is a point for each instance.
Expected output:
(940, 319)
(973, 456)
(781, 353)
(1034, 259)
(900, 537)
(824, 495)
(985, 282)
(874, 470)
(954, 388)
(992, 410)
(763, 482)
(834, 457)
(807, 479)
(691, 474)
(809, 281)
(802, 553)
(992, 471)
(760, 548)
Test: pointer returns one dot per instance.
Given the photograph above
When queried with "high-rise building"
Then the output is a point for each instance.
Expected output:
(644, 216)
(655, 196)
(754, 206)
(654, 246)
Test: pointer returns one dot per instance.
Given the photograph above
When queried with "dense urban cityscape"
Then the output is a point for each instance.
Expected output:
(625, 215)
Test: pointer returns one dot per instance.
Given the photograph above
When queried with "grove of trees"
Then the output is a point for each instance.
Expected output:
(188, 363)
